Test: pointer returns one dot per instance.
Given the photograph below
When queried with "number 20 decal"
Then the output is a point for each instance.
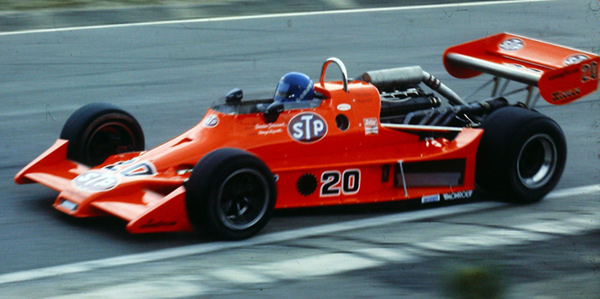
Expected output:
(334, 183)
(590, 72)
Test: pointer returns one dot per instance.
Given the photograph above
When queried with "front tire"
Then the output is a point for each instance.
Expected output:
(99, 130)
(230, 194)
(521, 155)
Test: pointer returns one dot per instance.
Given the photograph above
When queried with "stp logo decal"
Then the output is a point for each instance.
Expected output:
(307, 127)
(511, 44)
(108, 178)
(95, 181)
(574, 59)
(211, 121)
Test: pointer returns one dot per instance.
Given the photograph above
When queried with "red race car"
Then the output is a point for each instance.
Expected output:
(381, 137)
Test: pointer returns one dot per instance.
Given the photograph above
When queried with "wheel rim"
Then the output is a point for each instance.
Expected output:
(243, 199)
(108, 139)
(537, 161)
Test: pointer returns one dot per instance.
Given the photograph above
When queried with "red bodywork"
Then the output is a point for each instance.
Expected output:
(316, 161)
(152, 203)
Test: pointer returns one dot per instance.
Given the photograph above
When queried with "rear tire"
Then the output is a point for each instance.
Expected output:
(230, 194)
(521, 155)
(99, 130)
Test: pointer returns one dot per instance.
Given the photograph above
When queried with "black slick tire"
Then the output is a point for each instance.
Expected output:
(521, 155)
(230, 194)
(99, 130)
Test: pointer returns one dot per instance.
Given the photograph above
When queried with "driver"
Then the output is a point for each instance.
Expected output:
(294, 87)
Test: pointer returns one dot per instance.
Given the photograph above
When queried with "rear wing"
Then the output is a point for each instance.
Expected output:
(561, 74)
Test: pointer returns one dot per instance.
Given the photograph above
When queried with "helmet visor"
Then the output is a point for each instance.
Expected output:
(283, 93)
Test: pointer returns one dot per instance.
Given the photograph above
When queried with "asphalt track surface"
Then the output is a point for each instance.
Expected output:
(167, 74)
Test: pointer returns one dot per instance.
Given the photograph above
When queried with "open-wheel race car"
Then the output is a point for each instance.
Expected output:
(380, 137)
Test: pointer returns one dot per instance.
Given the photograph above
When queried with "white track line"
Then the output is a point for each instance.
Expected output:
(270, 238)
(258, 240)
(277, 15)
(340, 259)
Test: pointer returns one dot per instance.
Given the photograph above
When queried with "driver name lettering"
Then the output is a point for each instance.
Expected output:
(269, 129)
(307, 127)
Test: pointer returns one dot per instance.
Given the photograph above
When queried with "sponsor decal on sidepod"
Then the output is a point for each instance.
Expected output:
(307, 127)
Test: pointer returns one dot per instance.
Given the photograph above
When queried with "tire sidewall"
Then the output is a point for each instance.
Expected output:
(202, 192)
(80, 126)
(498, 129)
(505, 132)
(539, 125)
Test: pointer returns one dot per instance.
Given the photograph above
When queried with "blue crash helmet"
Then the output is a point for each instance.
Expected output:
(294, 87)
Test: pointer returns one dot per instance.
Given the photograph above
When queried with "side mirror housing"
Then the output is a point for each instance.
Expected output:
(234, 96)
(272, 112)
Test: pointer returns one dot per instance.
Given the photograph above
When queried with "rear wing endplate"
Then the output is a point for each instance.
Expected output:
(561, 74)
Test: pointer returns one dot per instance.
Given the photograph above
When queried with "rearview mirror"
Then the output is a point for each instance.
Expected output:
(272, 112)
(234, 96)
